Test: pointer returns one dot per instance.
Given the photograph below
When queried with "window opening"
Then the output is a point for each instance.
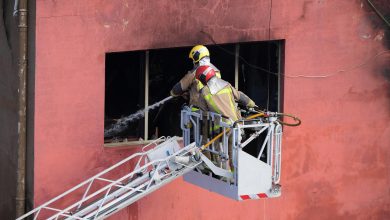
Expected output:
(124, 93)
(167, 67)
(137, 79)
(259, 65)
(223, 57)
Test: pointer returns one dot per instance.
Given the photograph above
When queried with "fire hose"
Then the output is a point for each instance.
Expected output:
(258, 114)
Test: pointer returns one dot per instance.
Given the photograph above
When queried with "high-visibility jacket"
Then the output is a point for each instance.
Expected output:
(193, 86)
(223, 100)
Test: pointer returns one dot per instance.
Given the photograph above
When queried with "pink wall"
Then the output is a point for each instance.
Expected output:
(335, 165)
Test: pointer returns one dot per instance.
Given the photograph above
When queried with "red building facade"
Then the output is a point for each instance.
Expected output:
(336, 79)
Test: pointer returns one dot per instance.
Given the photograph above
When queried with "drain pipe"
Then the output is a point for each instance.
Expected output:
(22, 72)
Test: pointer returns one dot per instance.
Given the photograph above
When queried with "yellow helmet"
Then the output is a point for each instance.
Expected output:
(198, 52)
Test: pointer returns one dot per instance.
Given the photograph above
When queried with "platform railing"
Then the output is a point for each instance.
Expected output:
(268, 128)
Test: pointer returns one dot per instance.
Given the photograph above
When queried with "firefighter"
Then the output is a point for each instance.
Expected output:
(219, 95)
(221, 98)
(199, 55)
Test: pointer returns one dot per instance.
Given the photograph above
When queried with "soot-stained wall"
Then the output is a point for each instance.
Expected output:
(335, 165)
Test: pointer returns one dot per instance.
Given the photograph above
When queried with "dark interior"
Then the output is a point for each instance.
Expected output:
(124, 94)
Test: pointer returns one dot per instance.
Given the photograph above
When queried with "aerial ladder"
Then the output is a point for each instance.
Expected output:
(202, 159)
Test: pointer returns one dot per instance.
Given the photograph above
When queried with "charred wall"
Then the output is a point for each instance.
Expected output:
(378, 13)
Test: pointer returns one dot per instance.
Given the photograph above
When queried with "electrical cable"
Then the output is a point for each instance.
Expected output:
(300, 75)
(241, 58)
(258, 114)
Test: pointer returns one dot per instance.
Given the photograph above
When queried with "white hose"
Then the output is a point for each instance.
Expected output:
(122, 123)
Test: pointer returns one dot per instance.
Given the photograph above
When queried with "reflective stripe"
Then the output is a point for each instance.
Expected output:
(216, 127)
(224, 91)
(254, 196)
(205, 71)
(199, 85)
(210, 101)
(228, 91)
(232, 106)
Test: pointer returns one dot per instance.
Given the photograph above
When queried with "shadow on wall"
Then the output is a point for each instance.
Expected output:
(8, 109)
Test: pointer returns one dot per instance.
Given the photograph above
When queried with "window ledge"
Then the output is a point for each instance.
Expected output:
(131, 144)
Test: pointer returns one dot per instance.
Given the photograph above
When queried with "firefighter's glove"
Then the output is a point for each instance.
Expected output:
(188, 125)
(251, 104)
(173, 94)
